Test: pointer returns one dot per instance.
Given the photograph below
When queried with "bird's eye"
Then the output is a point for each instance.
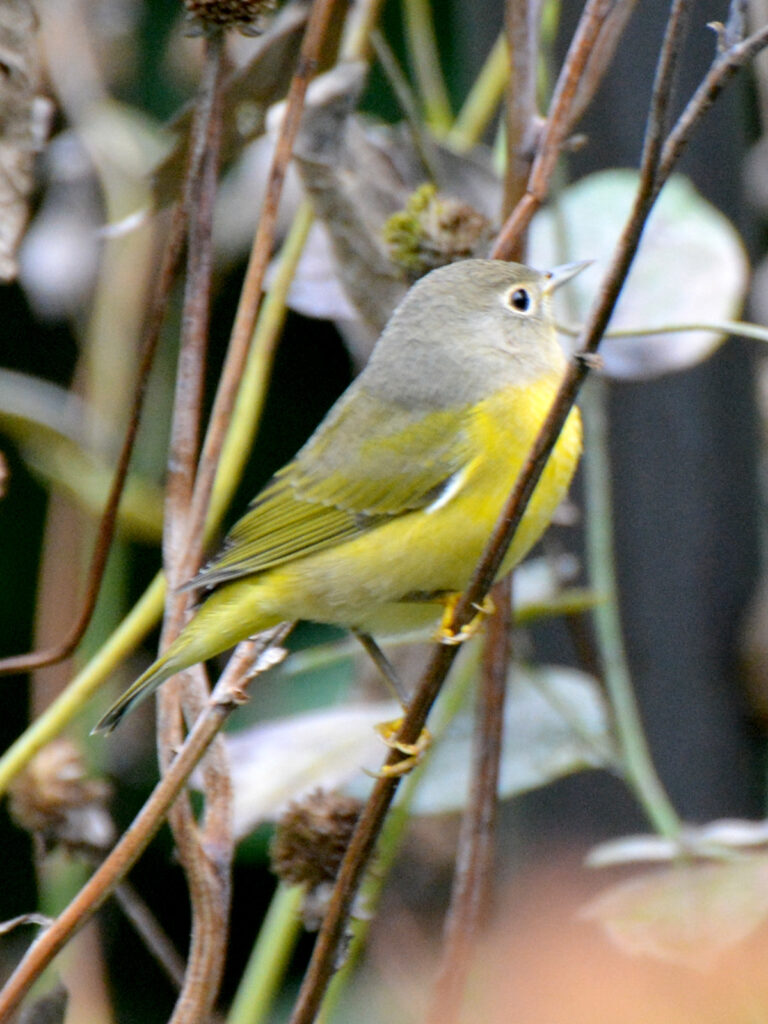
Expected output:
(520, 300)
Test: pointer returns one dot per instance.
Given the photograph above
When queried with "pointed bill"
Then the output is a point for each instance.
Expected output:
(559, 275)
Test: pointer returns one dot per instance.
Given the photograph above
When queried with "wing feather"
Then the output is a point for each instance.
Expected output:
(365, 465)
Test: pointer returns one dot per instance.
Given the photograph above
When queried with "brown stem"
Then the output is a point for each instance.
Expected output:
(470, 897)
(557, 127)
(369, 824)
(169, 263)
(522, 30)
(723, 69)
(208, 879)
(150, 932)
(245, 319)
(227, 696)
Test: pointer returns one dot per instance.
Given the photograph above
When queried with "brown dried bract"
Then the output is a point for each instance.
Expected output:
(247, 16)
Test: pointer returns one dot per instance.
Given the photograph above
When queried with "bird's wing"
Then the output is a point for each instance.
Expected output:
(364, 466)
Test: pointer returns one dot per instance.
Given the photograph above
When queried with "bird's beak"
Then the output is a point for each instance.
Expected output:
(559, 275)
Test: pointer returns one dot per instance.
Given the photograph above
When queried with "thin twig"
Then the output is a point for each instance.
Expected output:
(422, 141)
(482, 100)
(600, 57)
(723, 69)
(331, 934)
(226, 697)
(314, 36)
(208, 878)
(658, 124)
(425, 64)
(169, 263)
(557, 127)
(470, 897)
(150, 932)
(522, 31)
(636, 763)
(473, 873)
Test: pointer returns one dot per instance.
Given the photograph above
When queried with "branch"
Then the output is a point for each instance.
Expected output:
(228, 695)
(331, 934)
(169, 263)
(470, 897)
(245, 319)
(557, 127)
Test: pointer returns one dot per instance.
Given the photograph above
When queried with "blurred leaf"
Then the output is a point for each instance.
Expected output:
(50, 1008)
(276, 762)
(54, 430)
(555, 723)
(358, 174)
(687, 913)
(716, 838)
(691, 267)
(24, 124)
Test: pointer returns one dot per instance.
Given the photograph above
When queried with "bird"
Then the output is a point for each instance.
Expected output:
(378, 522)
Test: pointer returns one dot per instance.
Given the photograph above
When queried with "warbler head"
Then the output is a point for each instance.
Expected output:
(467, 330)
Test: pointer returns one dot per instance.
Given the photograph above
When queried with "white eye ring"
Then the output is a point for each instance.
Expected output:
(520, 300)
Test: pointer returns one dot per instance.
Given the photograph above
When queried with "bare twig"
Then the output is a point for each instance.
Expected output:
(148, 928)
(167, 273)
(558, 125)
(600, 57)
(663, 87)
(422, 140)
(473, 873)
(522, 31)
(317, 28)
(226, 697)
(369, 823)
(425, 64)
(723, 69)
(208, 877)
(470, 897)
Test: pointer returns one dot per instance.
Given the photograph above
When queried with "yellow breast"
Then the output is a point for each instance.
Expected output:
(362, 582)
(506, 426)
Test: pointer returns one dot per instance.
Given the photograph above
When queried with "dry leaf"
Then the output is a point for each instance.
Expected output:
(686, 913)
(24, 118)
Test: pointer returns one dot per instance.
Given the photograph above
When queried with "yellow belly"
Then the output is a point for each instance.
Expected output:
(362, 582)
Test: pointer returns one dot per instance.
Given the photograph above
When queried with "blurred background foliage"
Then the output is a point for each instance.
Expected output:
(687, 456)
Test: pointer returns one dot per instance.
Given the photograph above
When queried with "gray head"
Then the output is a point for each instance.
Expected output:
(466, 330)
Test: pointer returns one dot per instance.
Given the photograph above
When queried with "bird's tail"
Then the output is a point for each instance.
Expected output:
(229, 615)
(165, 666)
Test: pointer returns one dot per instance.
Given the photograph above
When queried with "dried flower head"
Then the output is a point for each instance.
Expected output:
(312, 836)
(434, 230)
(55, 801)
(247, 16)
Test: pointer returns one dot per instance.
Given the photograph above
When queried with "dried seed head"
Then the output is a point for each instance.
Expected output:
(55, 801)
(434, 230)
(312, 836)
(247, 16)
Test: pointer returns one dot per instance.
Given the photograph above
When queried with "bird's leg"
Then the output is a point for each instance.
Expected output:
(412, 751)
(388, 730)
(384, 665)
(446, 633)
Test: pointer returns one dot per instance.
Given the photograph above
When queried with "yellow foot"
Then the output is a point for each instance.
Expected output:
(412, 752)
(446, 633)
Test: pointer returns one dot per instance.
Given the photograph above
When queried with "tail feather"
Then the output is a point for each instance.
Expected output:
(228, 616)
(147, 683)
